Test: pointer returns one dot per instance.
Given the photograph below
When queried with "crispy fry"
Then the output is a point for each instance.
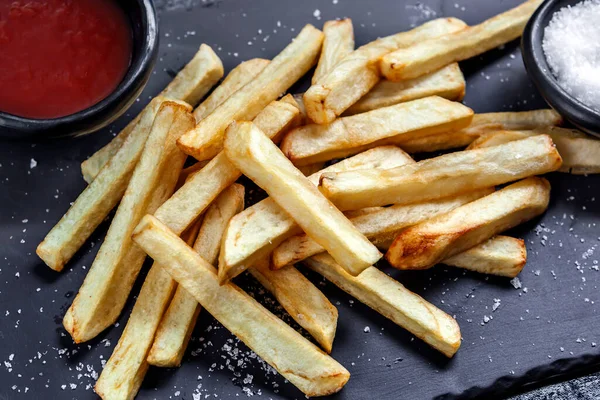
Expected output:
(297, 359)
(447, 82)
(191, 83)
(424, 245)
(256, 231)
(101, 196)
(442, 176)
(173, 333)
(206, 139)
(433, 54)
(388, 220)
(124, 372)
(260, 160)
(338, 43)
(305, 303)
(110, 279)
(203, 187)
(392, 300)
(389, 125)
(358, 72)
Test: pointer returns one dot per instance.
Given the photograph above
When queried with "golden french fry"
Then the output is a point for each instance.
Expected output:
(389, 125)
(305, 303)
(388, 220)
(260, 160)
(118, 262)
(294, 357)
(179, 211)
(173, 333)
(206, 139)
(338, 43)
(392, 300)
(424, 245)
(256, 231)
(482, 124)
(124, 372)
(442, 176)
(447, 82)
(363, 211)
(191, 83)
(358, 72)
(433, 54)
(500, 255)
(101, 196)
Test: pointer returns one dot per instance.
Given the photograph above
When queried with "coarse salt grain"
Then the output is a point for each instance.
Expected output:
(572, 47)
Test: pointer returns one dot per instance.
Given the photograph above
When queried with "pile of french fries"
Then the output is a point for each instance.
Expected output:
(371, 106)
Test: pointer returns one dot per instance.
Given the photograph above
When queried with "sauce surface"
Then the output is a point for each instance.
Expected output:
(58, 57)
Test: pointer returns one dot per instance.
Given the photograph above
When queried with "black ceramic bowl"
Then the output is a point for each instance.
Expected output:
(580, 115)
(142, 17)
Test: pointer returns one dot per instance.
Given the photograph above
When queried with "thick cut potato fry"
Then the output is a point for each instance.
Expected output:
(239, 77)
(206, 139)
(500, 255)
(191, 83)
(442, 176)
(101, 196)
(118, 262)
(357, 73)
(482, 124)
(578, 151)
(338, 43)
(124, 372)
(389, 125)
(293, 356)
(424, 245)
(204, 186)
(305, 303)
(260, 160)
(175, 329)
(256, 231)
(392, 300)
(447, 82)
(433, 54)
(388, 220)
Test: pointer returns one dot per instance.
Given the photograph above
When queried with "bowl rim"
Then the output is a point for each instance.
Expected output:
(133, 75)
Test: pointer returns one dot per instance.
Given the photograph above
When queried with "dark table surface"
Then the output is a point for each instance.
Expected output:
(512, 336)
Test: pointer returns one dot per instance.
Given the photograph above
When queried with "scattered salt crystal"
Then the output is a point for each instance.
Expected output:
(32, 163)
(317, 14)
(516, 282)
(367, 329)
(496, 304)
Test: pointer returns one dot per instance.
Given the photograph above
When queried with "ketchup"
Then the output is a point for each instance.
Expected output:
(58, 57)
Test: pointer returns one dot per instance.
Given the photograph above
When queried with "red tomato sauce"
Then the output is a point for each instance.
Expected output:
(58, 57)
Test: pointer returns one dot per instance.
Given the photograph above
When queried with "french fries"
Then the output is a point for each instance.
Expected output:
(442, 176)
(124, 372)
(117, 264)
(179, 211)
(173, 333)
(379, 223)
(337, 44)
(424, 245)
(389, 125)
(260, 160)
(206, 139)
(392, 300)
(256, 231)
(358, 72)
(305, 303)
(447, 82)
(294, 357)
(433, 54)
(578, 151)
(191, 83)
(101, 196)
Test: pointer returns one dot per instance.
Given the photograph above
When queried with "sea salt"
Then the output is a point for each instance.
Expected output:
(572, 47)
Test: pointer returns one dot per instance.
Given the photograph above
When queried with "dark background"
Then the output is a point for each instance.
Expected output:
(547, 328)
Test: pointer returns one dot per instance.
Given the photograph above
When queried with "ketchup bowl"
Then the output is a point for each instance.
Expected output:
(79, 89)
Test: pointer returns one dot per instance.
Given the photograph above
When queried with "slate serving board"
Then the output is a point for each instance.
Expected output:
(546, 328)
